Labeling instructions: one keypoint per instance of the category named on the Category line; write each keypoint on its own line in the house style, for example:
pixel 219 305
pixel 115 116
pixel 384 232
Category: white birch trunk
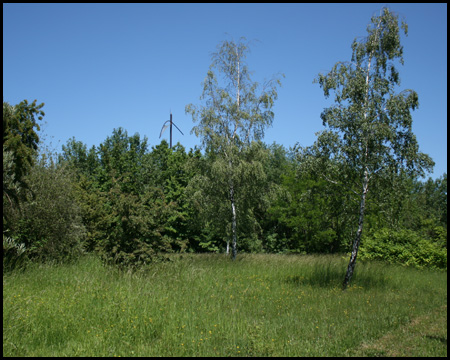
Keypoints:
pixel 233 222
pixel 362 206
pixel 232 200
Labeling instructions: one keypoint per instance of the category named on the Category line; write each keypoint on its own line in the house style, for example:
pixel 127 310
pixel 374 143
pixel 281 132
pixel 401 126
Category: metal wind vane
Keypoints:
pixel 165 126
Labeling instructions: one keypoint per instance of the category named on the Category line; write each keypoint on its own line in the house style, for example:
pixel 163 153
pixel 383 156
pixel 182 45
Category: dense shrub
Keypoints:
pixel 404 247
pixel 48 222
pixel 136 229
pixel 14 256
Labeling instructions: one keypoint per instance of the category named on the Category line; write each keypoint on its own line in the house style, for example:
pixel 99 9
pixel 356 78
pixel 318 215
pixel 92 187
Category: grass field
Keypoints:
pixel 208 305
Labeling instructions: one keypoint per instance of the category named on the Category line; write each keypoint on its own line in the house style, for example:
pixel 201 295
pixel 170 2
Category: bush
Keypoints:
pixel 48 223
pixel 14 256
pixel 404 247
pixel 136 229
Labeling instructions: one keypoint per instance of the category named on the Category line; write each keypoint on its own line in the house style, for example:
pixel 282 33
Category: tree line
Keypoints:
pixel 131 204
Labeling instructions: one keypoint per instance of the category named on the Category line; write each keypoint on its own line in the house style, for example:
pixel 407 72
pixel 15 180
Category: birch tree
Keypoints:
pixel 369 129
pixel 234 114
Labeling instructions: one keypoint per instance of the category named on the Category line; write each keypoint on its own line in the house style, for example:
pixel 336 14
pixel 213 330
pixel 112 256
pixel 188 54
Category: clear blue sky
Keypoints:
pixel 101 66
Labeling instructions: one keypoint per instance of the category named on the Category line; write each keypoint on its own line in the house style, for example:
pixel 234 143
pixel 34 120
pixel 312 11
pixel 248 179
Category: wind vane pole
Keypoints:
pixel 165 127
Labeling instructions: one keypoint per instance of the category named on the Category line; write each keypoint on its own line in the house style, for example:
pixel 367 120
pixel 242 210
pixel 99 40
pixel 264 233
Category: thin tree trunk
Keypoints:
pixel 233 222
pixel 357 241
pixel 362 206
pixel 233 203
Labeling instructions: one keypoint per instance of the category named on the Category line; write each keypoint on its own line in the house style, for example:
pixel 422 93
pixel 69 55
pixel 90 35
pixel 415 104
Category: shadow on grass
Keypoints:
pixel 320 275
pixel 438 338
pixel 331 275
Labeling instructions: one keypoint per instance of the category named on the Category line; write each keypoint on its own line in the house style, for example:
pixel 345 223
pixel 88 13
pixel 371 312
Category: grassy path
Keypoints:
pixel 423 336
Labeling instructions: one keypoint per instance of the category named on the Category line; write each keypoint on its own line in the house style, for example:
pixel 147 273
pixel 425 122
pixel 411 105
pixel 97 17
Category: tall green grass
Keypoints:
pixel 208 305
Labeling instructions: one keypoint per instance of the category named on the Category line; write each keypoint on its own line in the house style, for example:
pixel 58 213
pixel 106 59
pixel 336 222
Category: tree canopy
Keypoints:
pixel 20 143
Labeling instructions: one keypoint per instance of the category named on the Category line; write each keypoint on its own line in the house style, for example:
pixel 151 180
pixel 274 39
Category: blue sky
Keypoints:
pixel 101 66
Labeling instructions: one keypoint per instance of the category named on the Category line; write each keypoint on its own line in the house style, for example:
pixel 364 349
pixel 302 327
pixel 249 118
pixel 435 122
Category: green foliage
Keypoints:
pixel 404 247
pixel 209 195
pixel 49 223
pixel 312 213
pixel 77 156
pixel 122 156
pixel 93 211
pixel 39 212
pixel 169 171
pixel 167 202
pixel 136 228
pixel 233 118
pixel 285 206
pixel 14 254
pixel 234 114
pixel 11 187
pixel 432 196
pixel 369 129
pixel 20 138
pixel 132 201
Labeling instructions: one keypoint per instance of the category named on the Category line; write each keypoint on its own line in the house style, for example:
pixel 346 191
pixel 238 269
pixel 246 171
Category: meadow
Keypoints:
pixel 208 305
